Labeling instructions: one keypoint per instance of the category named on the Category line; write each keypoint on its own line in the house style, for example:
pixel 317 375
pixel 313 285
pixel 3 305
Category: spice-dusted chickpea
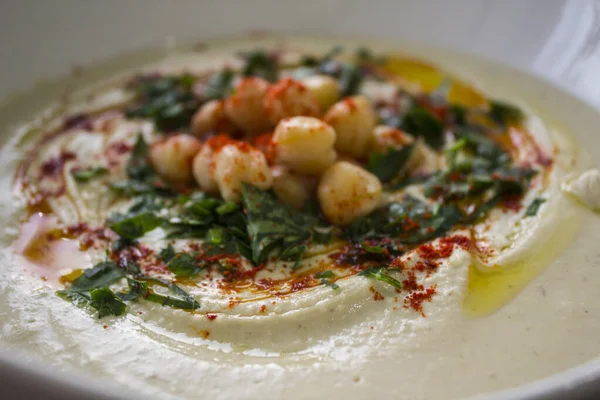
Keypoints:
pixel 291 188
pixel 211 118
pixel 353 120
pixel 172 158
pixel 289 98
pixel 347 191
pixel 245 107
pixel 201 169
pixel 305 145
pixel 324 89
pixel 203 162
pixel 237 163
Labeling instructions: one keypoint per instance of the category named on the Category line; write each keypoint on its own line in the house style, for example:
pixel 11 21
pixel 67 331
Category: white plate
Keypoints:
pixel 556 40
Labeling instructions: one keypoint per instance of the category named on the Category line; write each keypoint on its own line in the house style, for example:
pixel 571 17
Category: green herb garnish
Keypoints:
pixel 410 222
pixel 373 249
pixel 377 274
pixel 272 226
pixel 141 177
pixel 141 288
pixel 504 113
pixel 133 227
pixel 184 265
pixel 92 288
pixel 106 302
pixel 219 85
pixel 84 175
pixel 420 122
pixel 261 64
pixel 167 254
pixel 350 79
pixel 325 278
pixel 167 100
pixel 100 275
pixel 386 166
pixel 534 207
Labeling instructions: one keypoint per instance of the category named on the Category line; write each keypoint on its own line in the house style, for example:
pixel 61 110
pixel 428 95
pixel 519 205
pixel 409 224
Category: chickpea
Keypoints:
pixel 201 169
pixel 289 98
pixel 291 188
pixel 386 137
pixel 305 145
pixel 211 118
pixel 424 159
pixel 237 163
pixel 353 120
pixel 245 107
pixel 172 158
pixel 347 191
pixel 324 89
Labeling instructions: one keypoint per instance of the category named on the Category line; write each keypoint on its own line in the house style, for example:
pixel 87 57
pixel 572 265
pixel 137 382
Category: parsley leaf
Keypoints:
pixel 132 227
pixel 271 225
pixel 168 100
pixel 167 254
pixel 219 85
pixel 138 167
pixel 325 278
pixel 141 177
pixel 261 64
pixel 420 122
pixel 92 288
pixel 184 265
pixel 386 166
pixel 534 207
pixel 106 302
pixel 84 175
pixel 504 113
pixel 410 222
pixel 377 274
pixel 141 288
pixel 372 249
pixel 350 80
pixel 100 275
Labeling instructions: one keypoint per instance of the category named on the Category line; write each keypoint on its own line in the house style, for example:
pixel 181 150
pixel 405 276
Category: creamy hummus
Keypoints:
pixel 317 327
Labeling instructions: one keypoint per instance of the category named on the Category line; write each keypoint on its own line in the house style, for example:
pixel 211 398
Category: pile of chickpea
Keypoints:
pixel 317 139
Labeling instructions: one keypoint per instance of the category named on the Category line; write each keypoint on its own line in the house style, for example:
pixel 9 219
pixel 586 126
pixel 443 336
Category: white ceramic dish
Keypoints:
pixel 554 40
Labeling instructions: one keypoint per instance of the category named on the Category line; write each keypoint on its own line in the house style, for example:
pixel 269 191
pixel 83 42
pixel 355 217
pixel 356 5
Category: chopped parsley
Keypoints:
pixel 378 274
pixel 420 122
pixel 84 175
pixel 325 278
pixel 219 85
pixel 261 64
pixel 504 113
pixel 386 166
pixel 167 100
pixel 134 226
pixel 106 302
pixel 92 289
pixel 141 177
pixel 534 207
pixel 184 265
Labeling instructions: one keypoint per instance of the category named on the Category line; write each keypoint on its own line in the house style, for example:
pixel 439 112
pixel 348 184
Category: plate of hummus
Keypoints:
pixel 284 216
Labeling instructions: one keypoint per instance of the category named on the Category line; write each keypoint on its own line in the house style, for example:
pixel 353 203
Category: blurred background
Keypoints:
pixel 557 39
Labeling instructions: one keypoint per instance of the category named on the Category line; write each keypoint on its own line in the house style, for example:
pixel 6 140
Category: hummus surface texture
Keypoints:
pixel 510 301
